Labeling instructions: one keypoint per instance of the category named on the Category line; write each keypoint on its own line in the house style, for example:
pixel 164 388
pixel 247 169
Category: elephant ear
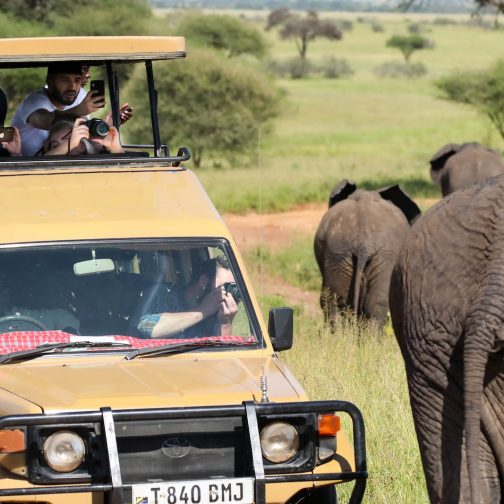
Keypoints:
pixel 401 200
pixel 342 190
pixel 439 159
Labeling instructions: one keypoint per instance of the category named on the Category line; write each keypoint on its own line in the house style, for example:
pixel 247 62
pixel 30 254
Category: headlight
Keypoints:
pixel 279 442
pixel 64 451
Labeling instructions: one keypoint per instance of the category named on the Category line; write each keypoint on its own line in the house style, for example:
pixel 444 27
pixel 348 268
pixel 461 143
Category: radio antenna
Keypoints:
pixel 263 379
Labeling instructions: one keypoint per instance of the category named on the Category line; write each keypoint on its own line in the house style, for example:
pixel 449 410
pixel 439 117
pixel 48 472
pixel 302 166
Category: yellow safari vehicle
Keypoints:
pixel 135 366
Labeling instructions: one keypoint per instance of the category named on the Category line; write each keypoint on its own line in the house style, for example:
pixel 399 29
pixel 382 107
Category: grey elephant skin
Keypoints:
pixel 455 166
pixel 356 245
pixel 447 308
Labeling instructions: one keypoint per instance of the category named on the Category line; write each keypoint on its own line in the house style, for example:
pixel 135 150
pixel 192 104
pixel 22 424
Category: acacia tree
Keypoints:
pixel 408 44
pixel 482 90
pixel 302 29
pixel 209 103
pixel 496 5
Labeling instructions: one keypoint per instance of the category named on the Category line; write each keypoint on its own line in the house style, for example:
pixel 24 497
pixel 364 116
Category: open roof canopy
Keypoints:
pixel 38 51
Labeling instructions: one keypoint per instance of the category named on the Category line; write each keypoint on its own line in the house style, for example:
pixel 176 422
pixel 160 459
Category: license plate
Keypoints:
pixel 215 491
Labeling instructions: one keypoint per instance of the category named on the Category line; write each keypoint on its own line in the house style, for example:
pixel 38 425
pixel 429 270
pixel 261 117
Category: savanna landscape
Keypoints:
pixel 376 132
pixel 360 124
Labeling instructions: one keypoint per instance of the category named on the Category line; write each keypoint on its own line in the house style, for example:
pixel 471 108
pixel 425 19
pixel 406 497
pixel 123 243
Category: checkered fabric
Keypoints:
pixel 26 340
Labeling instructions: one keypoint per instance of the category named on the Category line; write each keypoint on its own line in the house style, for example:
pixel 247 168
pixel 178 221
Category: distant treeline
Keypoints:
pixel 435 6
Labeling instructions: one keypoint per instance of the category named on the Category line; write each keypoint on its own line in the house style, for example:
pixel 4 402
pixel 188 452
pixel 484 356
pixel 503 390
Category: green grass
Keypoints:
pixel 375 132
pixel 370 130
pixel 295 263
pixel 358 363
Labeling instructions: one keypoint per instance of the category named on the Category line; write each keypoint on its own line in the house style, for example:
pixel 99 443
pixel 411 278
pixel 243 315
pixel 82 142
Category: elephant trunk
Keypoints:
pixel 475 359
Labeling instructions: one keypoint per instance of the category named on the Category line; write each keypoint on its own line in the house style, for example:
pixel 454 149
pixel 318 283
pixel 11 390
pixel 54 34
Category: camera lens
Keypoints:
pixel 97 128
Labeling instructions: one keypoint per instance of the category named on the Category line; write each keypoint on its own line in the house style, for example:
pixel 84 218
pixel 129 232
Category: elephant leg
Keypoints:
pixel 376 292
pixel 438 412
pixel 328 305
pixel 439 423
pixel 336 287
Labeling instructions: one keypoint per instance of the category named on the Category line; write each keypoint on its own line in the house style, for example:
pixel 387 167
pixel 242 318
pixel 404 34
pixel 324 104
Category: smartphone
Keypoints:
pixel 98 86
pixel 6 134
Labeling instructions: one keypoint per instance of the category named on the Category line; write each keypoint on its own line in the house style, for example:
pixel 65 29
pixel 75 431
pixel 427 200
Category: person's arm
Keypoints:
pixel 125 114
pixel 173 323
pixel 167 324
pixel 42 118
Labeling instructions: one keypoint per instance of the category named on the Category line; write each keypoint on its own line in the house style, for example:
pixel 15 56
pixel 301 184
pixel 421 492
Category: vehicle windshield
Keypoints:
pixel 143 294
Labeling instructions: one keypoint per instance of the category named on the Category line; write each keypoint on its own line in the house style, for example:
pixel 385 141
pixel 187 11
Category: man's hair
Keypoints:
pixel 210 266
pixel 64 67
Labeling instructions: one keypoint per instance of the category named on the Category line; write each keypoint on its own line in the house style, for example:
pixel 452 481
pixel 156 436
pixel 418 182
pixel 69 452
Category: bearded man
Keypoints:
pixel 62 94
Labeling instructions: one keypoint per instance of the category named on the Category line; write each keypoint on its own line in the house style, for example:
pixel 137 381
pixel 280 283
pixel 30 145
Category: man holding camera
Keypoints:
pixel 203 308
pixel 63 95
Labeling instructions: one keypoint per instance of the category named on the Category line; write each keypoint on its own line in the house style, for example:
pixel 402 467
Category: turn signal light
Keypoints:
pixel 328 424
pixel 12 441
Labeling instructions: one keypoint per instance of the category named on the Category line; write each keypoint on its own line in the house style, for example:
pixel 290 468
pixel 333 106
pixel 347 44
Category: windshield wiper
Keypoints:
pixel 178 348
pixel 52 347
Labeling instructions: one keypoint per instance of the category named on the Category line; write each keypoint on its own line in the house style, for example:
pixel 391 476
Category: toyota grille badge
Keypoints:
pixel 176 447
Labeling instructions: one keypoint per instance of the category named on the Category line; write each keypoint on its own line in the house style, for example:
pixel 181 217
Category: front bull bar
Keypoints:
pixel 248 410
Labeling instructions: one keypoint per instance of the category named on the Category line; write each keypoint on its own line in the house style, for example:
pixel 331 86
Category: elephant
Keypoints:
pixel 356 244
pixel 447 309
pixel 458 165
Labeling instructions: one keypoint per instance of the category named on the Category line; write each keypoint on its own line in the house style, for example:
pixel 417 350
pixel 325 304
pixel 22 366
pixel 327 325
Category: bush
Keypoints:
pixel 296 68
pixel 442 21
pixel 416 28
pixel 226 33
pixel 213 105
pixel 483 90
pixel 336 68
pixel 479 22
pixel 344 24
pixel 396 70
pixel 377 27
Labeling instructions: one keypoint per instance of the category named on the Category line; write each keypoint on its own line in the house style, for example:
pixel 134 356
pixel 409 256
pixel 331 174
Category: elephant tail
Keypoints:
pixel 361 258
pixel 475 359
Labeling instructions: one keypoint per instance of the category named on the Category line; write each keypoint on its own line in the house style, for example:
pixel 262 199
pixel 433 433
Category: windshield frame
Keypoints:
pixel 220 243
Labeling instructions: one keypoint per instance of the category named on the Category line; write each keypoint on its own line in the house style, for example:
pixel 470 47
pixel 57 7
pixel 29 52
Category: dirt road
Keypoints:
pixel 273 232
pixel 278 230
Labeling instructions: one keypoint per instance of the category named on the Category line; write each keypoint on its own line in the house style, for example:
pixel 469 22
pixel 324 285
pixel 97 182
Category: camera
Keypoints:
pixel 97 128
pixel 231 288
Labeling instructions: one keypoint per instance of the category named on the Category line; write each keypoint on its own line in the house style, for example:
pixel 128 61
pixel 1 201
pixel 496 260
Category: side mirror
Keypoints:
pixel 281 328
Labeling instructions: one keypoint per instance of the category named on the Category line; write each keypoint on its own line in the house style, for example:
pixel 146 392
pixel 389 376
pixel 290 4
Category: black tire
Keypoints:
pixel 321 495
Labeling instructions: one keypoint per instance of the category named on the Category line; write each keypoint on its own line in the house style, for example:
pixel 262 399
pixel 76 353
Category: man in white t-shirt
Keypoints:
pixel 63 93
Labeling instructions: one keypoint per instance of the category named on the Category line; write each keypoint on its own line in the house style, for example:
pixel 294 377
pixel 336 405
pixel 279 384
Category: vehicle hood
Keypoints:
pixel 74 383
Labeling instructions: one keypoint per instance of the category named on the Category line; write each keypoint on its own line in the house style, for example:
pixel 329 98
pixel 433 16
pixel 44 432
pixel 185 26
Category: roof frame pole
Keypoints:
pixel 153 102
pixel 114 95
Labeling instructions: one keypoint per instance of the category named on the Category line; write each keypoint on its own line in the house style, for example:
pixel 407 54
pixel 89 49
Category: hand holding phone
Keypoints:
pixel 6 134
pixel 97 87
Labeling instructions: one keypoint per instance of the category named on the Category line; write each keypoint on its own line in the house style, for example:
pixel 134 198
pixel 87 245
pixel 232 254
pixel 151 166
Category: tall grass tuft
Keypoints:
pixel 362 364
